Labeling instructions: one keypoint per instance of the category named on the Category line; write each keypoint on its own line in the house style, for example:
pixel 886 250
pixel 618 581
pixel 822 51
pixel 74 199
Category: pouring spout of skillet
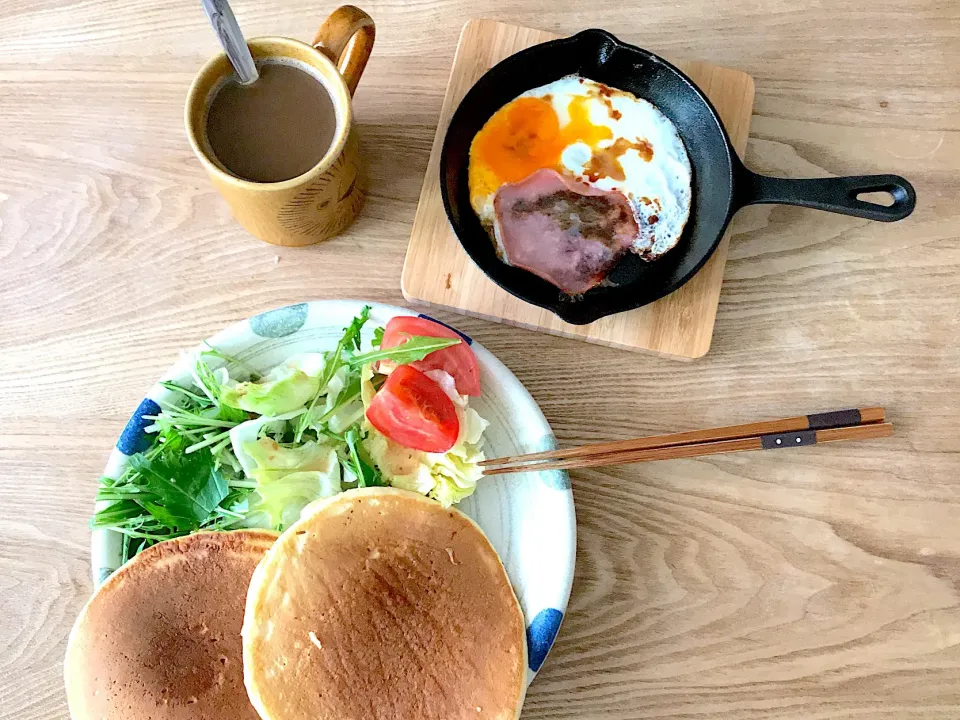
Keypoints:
pixel 721 184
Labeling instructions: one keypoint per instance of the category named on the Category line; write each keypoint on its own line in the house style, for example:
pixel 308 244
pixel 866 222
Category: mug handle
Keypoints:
pixel 345 24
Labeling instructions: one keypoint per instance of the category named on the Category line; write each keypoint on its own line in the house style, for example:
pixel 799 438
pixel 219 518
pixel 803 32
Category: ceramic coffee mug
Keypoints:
pixel 323 201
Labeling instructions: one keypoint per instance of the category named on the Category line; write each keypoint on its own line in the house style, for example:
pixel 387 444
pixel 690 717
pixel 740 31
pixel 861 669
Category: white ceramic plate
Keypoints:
pixel 528 517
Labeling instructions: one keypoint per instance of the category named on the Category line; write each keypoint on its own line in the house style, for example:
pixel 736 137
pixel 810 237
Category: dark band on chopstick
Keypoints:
pixel 836 418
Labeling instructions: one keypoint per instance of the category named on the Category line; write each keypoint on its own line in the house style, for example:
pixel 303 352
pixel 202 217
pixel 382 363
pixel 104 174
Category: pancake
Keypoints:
pixel 380 603
pixel 160 640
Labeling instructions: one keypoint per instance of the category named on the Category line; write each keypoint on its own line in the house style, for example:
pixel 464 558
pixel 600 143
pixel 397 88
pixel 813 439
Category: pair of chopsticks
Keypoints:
pixel 856 424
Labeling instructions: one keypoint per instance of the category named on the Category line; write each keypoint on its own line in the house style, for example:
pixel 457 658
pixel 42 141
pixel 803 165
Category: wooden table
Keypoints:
pixel 822 583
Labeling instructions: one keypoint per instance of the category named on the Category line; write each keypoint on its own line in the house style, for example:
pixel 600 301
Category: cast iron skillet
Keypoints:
pixel 721 184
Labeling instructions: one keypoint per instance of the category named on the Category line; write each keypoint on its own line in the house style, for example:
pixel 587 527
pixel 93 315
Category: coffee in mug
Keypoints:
pixel 274 129
pixel 283 150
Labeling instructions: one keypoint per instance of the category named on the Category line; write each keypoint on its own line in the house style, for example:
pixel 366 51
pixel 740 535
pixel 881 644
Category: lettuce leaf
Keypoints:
pixel 289 479
pixel 287 387
pixel 249 431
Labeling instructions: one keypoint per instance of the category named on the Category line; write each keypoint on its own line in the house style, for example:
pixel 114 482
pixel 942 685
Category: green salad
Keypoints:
pixel 237 449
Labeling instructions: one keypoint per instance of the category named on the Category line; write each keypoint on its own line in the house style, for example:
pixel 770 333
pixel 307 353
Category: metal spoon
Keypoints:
pixel 231 39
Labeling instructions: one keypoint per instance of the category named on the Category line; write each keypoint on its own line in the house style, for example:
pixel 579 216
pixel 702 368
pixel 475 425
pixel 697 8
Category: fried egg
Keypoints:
pixel 606 138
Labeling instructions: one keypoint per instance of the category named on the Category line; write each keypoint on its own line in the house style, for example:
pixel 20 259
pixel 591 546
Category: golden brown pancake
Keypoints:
pixel 160 640
pixel 381 604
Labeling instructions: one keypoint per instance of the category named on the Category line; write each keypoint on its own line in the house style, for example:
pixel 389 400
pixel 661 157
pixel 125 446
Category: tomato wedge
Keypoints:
pixel 412 410
pixel 459 360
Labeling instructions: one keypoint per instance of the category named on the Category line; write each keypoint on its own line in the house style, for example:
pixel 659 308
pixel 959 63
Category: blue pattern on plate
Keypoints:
pixel 556 479
pixel 466 338
pixel 541 634
pixel 280 322
pixel 133 439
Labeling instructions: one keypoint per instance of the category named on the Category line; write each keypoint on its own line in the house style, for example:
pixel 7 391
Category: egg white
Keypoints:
pixel 664 181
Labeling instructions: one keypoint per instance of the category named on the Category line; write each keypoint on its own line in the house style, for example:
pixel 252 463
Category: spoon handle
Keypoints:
pixel 231 39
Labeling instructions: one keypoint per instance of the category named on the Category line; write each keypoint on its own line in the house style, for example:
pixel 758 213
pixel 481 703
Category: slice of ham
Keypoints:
pixel 563 230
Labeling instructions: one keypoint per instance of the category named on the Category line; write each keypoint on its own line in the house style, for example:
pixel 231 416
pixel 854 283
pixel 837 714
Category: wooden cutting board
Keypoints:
pixel 438 272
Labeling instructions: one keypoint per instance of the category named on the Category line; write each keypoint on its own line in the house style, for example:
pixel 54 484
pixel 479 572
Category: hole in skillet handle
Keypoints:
pixel 877 198
pixel 843 195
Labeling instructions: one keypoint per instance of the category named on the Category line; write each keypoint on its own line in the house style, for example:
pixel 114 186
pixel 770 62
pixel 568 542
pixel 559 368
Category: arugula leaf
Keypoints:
pixel 367 475
pixel 206 380
pixel 377 337
pixel 416 348
pixel 372 473
pixel 352 331
pixel 350 339
pixel 118 512
pixel 349 394
pixel 162 515
pixel 173 387
pixel 180 491
pixel 213 352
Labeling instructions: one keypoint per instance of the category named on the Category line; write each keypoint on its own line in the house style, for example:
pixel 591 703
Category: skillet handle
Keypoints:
pixel 835 194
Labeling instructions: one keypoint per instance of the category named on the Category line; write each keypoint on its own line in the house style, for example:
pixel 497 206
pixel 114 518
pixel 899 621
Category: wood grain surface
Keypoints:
pixel 821 583
pixel 438 272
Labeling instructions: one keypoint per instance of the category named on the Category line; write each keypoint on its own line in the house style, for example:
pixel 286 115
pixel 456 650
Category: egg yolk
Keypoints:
pixel 580 129
pixel 525 136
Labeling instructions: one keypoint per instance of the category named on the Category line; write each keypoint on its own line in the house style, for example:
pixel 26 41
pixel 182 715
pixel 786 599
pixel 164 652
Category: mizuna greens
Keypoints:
pixel 235 448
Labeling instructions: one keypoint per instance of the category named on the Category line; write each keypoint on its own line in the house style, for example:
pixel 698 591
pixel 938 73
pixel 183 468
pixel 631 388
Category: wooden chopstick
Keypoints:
pixel 853 432
pixel 862 423
pixel 838 418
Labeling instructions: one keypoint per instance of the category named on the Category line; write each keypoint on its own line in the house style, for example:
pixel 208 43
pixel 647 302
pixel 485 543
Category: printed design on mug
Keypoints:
pixel 327 205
